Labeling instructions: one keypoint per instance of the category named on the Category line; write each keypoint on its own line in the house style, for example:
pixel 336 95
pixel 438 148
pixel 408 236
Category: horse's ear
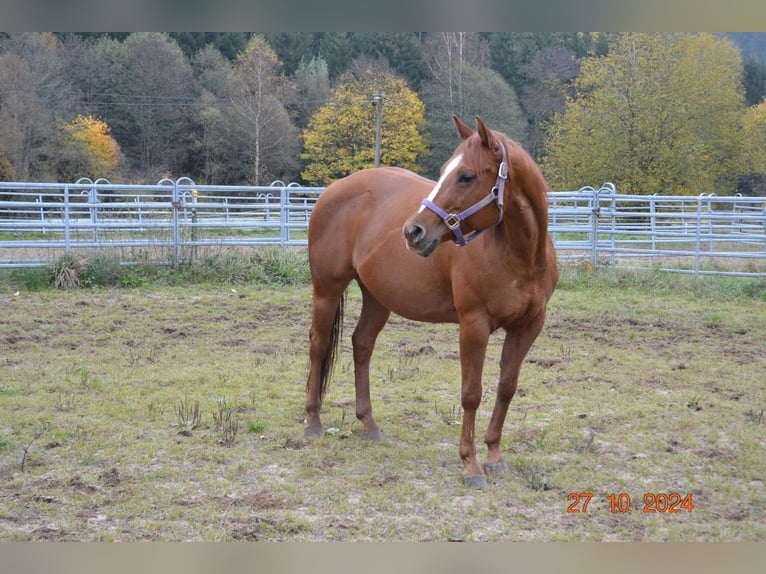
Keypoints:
pixel 463 130
pixel 487 140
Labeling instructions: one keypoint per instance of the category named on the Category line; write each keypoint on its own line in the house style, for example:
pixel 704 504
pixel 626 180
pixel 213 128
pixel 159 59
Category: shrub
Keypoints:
pixel 102 270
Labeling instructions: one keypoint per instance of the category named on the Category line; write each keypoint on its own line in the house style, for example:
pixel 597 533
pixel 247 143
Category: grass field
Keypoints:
pixel 175 413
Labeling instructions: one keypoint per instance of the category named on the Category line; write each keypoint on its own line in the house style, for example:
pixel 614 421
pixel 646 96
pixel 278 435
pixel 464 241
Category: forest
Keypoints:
pixel 666 113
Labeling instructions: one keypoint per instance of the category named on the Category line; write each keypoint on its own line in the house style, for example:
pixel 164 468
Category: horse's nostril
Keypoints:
pixel 417 232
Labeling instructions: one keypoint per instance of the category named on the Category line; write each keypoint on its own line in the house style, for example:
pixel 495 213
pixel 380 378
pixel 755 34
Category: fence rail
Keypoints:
pixel 177 220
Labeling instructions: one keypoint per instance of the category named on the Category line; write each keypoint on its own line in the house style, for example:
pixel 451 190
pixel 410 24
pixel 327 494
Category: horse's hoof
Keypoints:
pixel 314 432
pixel 475 481
pixel 373 435
pixel 495 468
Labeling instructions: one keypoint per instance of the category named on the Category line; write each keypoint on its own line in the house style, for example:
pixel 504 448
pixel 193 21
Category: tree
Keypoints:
pixel 87 149
pixel 337 49
pixel 230 44
pixel 264 129
pixel 467 91
pixel 399 49
pixel 293 48
pixel 550 75
pixel 24 121
pixel 6 169
pixel 444 52
pixel 213 149
pixel 754 78
pixel 313 82
pixel 753 179
pixel 34 94
pixel 157 89
pixel 511 51
pixel 340 137
pixel 660 113
pixel 143 89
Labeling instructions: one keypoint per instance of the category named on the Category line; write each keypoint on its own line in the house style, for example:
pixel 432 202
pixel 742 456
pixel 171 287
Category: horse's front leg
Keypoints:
pixel 515 348
pixel 474 336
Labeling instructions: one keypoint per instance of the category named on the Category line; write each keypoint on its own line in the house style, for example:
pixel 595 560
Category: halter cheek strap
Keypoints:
pixel 453 220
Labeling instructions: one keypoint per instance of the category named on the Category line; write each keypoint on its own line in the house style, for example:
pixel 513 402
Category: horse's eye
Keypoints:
pixel 466 177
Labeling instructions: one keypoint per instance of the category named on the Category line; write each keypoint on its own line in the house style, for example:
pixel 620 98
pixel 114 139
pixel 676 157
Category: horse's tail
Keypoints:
pixel 328 362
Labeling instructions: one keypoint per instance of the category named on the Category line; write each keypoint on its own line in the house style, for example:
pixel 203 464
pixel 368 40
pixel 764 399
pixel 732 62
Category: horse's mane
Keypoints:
pixel 524 176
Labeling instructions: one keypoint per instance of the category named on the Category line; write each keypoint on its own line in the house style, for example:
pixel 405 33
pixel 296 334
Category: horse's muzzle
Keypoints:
pixel 417 239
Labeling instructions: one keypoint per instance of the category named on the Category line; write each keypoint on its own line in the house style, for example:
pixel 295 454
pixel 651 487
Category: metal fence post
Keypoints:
pixel 653 226
pixel 67 233
pixel 764 225
pixel 93 200
pixel 284 216
pixel 594 212
pixel 175 203
pixel 698 236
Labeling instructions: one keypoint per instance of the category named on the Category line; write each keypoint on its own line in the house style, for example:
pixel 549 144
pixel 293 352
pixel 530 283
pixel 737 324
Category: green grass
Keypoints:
pixel 268 266
pixel 640 383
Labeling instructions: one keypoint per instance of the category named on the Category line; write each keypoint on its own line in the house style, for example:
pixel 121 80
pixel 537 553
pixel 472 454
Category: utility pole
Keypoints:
pixel 377 102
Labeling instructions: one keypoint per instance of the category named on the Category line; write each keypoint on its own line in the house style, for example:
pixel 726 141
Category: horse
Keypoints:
pixel 471 248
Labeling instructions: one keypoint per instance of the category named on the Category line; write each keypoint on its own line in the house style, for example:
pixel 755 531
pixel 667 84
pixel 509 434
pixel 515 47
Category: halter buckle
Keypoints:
pixel 452 221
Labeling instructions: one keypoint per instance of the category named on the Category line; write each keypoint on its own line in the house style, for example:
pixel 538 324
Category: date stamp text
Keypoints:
pixel 651 502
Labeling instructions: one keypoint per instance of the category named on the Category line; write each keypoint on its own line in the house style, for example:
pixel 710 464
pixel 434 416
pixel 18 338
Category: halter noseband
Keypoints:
pixel 452 220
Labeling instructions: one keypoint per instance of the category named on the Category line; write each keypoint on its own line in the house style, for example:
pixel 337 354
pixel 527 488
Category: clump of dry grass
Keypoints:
pixel 67 270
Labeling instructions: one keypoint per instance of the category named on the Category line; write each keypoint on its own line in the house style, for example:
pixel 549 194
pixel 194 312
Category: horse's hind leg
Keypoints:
pixel 326 324
pixel 372 319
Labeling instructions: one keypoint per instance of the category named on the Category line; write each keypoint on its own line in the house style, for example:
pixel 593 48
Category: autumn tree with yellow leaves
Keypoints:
pixel 87 149
pixel 660 113
pixel 340 137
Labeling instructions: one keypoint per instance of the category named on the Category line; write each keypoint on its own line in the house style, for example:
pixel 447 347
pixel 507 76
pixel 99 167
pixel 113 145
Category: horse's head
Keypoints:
pixel 468 198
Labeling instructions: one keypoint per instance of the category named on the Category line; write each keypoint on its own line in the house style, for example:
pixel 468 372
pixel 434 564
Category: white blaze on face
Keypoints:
pixel 449 169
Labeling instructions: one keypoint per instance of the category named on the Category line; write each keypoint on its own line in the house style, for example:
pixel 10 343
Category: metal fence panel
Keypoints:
pixel 176 221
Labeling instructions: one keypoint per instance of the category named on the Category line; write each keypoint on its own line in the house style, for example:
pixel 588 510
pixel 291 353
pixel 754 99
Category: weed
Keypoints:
pixel 694 403
pixel 82 378
pixel 590 446
pixel 84 434
pixel 156 411
pixel 532 475
pixel 3 441
pixel 257 427
pixel 754 417
pixel 25 450
pixel 188 414
pixel 66 401
pixel 102 270
pixel 226 421
pixel 451 417
pixel 133 356
pixel 536 440
pixel 66 271
pixel 284 266
pixel 538 481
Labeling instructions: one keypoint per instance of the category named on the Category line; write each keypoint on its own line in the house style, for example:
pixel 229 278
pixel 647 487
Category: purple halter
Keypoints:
pixel 452 220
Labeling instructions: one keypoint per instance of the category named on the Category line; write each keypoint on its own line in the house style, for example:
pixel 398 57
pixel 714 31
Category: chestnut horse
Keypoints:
pixel 388 228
